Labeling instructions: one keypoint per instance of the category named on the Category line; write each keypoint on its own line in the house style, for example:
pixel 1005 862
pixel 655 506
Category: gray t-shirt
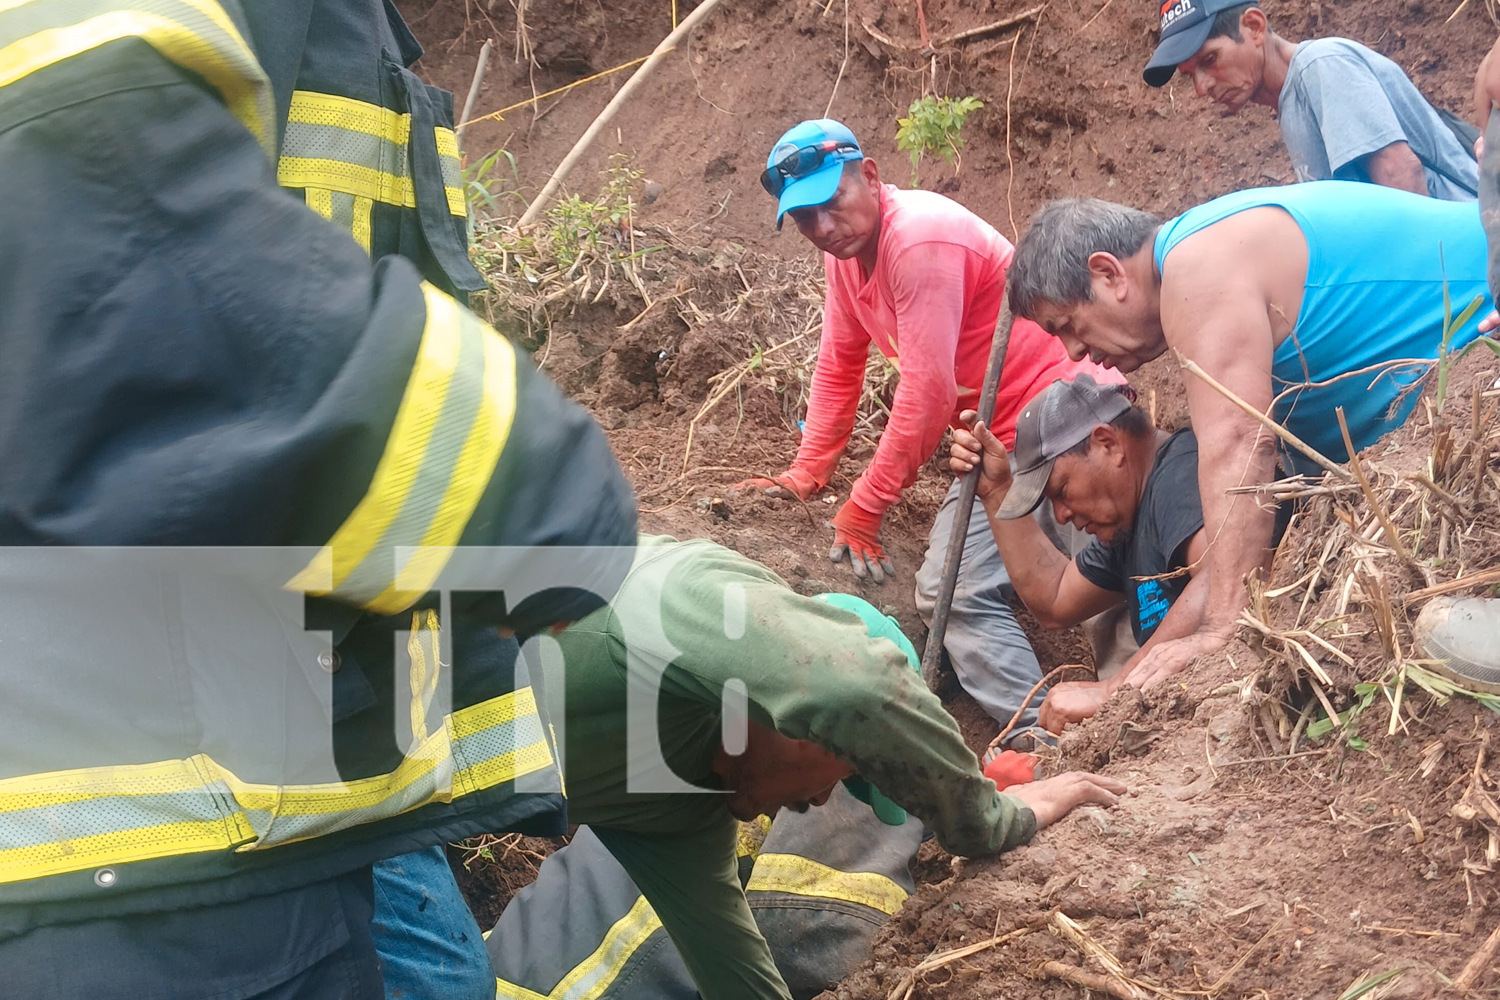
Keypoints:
pixel 1341 102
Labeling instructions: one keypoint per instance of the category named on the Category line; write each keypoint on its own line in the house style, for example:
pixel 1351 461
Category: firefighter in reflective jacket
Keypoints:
pixel 826 693
pixel 819 883
pixel 207 736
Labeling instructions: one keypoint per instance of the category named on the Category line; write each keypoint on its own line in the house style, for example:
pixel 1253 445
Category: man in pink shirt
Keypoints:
pixel 922 278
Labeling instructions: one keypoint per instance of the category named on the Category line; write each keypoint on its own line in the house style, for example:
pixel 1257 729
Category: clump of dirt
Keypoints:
pixel 491 870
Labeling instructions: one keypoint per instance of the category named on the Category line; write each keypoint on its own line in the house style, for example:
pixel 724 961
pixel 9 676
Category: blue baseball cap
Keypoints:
pixel 1185 25
pixel 819 186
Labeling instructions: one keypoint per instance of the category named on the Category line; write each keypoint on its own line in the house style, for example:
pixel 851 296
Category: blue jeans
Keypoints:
pixel 429 945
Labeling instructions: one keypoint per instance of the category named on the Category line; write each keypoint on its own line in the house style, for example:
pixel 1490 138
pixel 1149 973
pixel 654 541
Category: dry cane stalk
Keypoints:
pixel 1478 963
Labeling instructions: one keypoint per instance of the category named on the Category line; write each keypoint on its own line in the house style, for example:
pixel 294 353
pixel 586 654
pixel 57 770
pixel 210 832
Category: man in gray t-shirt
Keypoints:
pixel 1346 112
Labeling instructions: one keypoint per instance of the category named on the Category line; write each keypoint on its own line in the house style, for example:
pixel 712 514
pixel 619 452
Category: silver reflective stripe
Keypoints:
pixel 343 210
pixel 450 434
pixel 313 141
pixel 21 828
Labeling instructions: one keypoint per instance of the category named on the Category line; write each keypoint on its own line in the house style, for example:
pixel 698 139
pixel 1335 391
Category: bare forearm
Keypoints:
pixel 1238 529
pixel 1035 566
pixel 1396 166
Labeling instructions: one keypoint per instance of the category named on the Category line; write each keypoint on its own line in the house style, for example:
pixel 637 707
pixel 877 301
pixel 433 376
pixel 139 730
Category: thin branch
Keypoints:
pixel 1191 367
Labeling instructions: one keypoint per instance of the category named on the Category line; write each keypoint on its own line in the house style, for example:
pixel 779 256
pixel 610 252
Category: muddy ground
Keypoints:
pixel 1226 873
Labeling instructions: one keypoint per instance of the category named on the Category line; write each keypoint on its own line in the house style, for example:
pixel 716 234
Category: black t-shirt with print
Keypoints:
pixel 1169 516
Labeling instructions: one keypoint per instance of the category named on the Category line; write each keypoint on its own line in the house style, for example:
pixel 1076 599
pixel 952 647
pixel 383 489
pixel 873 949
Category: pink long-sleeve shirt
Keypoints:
pixel 930 307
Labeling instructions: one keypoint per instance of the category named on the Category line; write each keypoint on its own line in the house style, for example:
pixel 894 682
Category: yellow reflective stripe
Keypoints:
pixel 309 107
pixel 79 853
pixel 320 200
pixel 54 788
pixel 219 55
pixel 447 147
pixel 594 974
pixel 350 178
pixel 512 991
pixel 803 877
pixel 590 978
pixel 363 208
pixel 495 712
pixel 354 147
pixel 476 462
pixel 338 797
pixel 239 814
pixel 409 504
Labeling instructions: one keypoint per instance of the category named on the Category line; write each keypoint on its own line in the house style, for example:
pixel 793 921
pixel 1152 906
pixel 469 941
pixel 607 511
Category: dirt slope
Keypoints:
pixel 1081 120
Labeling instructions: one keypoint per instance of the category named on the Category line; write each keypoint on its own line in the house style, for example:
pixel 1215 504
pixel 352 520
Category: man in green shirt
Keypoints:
pixel 696 627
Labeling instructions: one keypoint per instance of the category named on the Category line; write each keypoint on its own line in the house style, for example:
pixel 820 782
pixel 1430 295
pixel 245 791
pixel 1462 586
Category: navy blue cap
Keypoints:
pixel 1185 25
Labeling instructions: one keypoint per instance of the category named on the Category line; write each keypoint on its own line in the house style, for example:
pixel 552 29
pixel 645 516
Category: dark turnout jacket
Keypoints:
pixel 291 433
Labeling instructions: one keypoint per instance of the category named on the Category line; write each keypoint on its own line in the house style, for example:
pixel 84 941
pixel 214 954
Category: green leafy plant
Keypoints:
pixel 1347 720
pixel 580 228
pixel 1368 986
pixel 1451 327
pixel 485 191
pixel 934 126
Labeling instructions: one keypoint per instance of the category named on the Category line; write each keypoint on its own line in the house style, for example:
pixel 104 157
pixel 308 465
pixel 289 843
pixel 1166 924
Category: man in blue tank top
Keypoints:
pixel 1299 299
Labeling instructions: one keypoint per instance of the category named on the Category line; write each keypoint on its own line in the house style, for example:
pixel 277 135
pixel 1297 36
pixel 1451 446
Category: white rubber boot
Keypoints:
pixel 1464 634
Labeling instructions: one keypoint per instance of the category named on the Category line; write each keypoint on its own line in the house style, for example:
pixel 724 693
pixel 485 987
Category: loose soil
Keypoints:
pixel 1224 874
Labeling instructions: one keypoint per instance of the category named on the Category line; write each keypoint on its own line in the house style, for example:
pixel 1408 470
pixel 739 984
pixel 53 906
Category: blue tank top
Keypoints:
pixel 1376 260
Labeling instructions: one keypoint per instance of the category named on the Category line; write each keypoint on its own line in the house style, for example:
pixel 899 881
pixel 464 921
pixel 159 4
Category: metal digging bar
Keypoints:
pixel 932 653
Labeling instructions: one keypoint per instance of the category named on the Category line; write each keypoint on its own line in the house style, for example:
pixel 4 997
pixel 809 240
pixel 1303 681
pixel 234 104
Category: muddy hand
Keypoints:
pixel 976 446
pixel 794 482
pixel 1070 702
pixel 1054 798
pixel 1172 657
pixel 856 534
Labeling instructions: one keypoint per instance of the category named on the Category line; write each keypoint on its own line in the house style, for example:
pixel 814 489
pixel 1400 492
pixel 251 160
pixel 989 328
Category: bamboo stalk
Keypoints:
pixel 1491 575
pixel 534 210
pixel 474 85
pixel 988 29
pixel 1478 963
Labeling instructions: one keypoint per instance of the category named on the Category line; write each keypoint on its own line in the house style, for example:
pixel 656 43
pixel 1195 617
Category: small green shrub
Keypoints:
pixel 579 228
pixel 934 125
pixel 485 191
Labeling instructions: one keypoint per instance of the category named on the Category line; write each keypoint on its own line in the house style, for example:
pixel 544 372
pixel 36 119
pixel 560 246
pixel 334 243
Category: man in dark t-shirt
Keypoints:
pixel 1108 470
pixel 1148 562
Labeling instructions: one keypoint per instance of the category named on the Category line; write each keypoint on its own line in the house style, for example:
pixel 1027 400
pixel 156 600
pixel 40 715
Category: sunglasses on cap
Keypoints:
pixel 799 163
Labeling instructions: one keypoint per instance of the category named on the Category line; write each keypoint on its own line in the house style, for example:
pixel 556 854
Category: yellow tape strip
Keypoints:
pixel 802 877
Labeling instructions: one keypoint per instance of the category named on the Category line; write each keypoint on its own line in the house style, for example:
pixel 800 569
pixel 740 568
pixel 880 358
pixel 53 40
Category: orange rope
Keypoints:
pixel 500 115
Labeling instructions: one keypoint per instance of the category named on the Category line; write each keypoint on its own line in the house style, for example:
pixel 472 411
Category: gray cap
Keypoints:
pixel 1056 419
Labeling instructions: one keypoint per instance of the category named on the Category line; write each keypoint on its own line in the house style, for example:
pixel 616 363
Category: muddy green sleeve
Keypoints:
pixel 692 883
pixel 813 672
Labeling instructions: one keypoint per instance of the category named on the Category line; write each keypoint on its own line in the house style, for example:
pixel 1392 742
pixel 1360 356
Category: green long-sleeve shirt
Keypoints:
pixel 690 617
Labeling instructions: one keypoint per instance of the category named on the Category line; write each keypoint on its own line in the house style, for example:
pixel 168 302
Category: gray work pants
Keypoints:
pixel 986 645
